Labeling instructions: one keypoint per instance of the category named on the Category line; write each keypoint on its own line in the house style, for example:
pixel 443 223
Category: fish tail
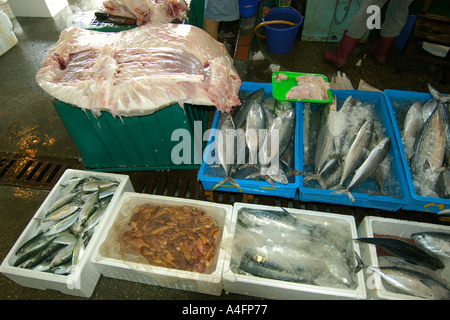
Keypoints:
pixel 446 211
pixel 225 180
pixel 316 177
pixel 359 263
pixel 291 173
pixel 38 220
pixel 346 192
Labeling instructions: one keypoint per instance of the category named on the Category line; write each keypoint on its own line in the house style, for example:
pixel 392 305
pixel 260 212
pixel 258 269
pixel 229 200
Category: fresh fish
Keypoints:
pixel 62 225
pixel 281 105
pixel 78 250
pixel 356 150
pixel 307 115
pixel 254 130
pixel 408 251
pixel 65 238
pixel 381 175
pixel 324 143
pixel 254 268
pixel 96 184
pixel 32 247
pixel 269 116
pixel 95 218
pixel 430 147
pixel 409 281
pixel 63 255
pixel 436 242
pixel 282 128
pixel 42 267
pixel 287 158
pixel 227 157
pixel 60 213
pixel 412 125
pixel 369 166
pixel 255 217
pixel 61 201
pixel 242 110
pixel 41 256
pixel 108 191
pixel 428 109
pixel 63 269
pixel 443 99
pixel 88 207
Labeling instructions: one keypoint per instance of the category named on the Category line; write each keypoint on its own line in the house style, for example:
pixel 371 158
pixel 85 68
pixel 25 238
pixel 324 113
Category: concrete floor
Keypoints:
pixel 30 126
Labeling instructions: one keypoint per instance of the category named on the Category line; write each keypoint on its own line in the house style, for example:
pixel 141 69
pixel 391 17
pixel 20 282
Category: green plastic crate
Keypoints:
pixel 139 142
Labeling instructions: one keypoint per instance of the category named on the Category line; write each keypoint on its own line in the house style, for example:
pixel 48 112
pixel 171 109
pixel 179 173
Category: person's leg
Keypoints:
pixel 396 15
pixel 358 24
pixel 219 10
pixel 211 27
pixel 350 38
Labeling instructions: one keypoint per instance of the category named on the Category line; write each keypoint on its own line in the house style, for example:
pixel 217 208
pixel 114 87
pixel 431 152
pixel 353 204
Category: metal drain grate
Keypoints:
pixel 43 173
pixel 37 173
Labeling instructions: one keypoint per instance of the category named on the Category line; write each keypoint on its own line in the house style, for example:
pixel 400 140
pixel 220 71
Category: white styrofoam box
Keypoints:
pixel 276 289
pixel 389 227
pixel 83 280
pixel 8 38
pixel 208 283
pixel 37 8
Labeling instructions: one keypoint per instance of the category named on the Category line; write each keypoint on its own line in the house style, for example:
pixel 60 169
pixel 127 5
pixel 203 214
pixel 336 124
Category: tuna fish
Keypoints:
pixel 227 157
pixel 409 281
pixel 243 109
pixel 369 166
pixel 411 127
pixel 356 150
pixel 436 242
pixel 410 252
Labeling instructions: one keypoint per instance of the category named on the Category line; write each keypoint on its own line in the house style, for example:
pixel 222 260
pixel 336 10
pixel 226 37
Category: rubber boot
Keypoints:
pixel 381 49
pixel 345 47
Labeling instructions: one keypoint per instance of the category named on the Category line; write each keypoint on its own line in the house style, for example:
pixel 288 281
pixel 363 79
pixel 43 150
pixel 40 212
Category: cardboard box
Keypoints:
pixel 208 283
pixel 276 289
pixel 83 280
pixel 376 288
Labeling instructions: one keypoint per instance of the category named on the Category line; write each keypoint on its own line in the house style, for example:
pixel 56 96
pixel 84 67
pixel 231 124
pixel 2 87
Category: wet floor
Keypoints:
pixel 30 126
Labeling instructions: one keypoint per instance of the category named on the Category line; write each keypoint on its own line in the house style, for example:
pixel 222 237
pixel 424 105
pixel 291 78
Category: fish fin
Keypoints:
pixel 346 192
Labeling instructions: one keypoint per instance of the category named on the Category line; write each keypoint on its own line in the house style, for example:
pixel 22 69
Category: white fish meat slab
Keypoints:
pixel 139 71
pixel 147 10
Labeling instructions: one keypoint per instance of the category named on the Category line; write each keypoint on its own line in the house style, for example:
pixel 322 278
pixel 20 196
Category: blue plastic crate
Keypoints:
pixel 210 175
pixel 397 187
pixel 399 102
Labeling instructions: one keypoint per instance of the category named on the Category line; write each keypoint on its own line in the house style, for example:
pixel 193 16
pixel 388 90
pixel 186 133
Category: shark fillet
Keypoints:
pixel 139 71
pixel 147 10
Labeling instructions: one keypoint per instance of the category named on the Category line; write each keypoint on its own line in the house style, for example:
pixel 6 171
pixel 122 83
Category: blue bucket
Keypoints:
pixel 280 37
pixel 247 8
